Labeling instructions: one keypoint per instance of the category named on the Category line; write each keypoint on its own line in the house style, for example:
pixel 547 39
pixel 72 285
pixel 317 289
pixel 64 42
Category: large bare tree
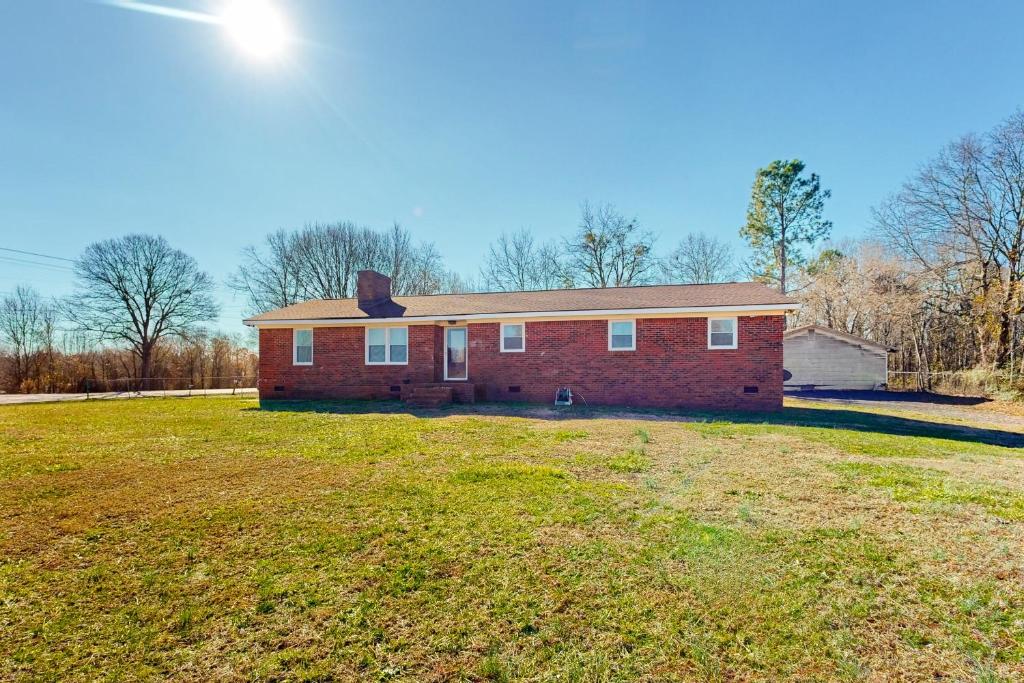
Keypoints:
pixel 138 289
pixel 610 250
pixel 699 259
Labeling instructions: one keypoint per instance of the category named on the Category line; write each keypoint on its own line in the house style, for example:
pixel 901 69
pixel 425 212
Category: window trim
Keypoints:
pixel 631 347
pixel 295 347
pixel 735 333
pixel 387 344
pixel 501 337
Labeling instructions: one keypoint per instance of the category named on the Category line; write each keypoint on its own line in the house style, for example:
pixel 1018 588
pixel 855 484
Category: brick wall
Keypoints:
pixel 339 369
pixel 671 367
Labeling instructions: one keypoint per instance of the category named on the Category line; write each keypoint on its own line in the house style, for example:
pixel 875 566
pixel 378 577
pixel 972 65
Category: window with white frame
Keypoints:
pixel 513 337
pixel 622 335
pixel 721 333
pixel 302 346
pixel 387 345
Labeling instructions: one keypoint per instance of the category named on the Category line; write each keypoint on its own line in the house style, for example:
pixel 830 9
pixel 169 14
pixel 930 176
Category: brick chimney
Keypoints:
pixel 374 293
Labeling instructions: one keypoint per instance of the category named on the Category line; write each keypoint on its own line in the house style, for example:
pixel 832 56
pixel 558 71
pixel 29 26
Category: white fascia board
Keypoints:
pixel 638 312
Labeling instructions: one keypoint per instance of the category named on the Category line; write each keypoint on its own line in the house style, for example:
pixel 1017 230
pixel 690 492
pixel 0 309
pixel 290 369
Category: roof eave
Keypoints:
pixel 838 334
pixel 653 312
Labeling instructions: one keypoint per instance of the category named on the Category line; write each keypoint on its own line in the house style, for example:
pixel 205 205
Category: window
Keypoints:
pixel 398 345
pixel 622 335
pixel 302 347
pixel 513 337
pixel 387 345
pixel 721 333
pixel 376 345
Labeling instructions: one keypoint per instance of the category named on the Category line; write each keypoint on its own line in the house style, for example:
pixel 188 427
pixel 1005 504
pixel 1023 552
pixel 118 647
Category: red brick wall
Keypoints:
pixel 339 369
pixel 671 367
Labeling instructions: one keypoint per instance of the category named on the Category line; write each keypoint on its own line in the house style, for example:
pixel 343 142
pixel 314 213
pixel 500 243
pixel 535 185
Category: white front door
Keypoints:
pixel 456 353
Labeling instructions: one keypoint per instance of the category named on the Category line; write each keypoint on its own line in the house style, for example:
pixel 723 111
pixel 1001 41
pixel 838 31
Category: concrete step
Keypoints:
pixel 430 391
pixel 427 403
pixel 429 396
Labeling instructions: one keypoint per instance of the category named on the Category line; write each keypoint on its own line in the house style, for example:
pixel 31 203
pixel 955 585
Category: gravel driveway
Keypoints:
pixel 956 407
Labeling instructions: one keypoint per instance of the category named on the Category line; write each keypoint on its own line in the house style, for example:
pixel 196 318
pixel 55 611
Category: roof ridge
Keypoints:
pixel 563 289
pixel 842 334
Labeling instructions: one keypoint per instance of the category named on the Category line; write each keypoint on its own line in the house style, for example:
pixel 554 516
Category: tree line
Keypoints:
pixel 136 314
pixel 938 278
pixel 140 307
pixel 41 356
pixel 611 249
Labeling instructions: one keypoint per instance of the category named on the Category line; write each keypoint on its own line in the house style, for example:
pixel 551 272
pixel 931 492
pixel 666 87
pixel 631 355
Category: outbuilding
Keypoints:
pixel 817 357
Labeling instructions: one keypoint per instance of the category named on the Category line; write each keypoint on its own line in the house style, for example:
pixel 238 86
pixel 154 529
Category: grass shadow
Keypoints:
pixel 820 417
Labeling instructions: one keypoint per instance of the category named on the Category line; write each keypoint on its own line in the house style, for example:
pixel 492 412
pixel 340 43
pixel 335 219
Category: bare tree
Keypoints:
pixel 138 289
pixel 610 250
pixel 269 278
pixel 860 288
pixel 321 261
pixel 26 328
pixel 699 259
pixel 516 262
pixel 943 285
pixel 413 268
pixel 326 257
pixel 509 264
pixel 961 218
pixel 553 271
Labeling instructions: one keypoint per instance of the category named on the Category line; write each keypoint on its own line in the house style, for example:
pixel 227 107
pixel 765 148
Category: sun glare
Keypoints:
pixel 256 26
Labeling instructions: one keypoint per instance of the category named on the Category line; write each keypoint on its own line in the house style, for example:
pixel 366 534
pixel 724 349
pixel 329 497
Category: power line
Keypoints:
pixel 35 253
pixel 26 262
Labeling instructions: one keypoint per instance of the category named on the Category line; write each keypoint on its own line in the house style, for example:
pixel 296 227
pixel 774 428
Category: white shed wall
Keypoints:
pixel 821 362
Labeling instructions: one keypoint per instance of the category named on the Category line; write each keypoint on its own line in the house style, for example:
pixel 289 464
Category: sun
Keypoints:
pixel 256 27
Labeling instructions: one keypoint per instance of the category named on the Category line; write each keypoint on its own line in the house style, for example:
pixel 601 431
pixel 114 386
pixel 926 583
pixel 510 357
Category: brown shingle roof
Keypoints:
pixel 495 303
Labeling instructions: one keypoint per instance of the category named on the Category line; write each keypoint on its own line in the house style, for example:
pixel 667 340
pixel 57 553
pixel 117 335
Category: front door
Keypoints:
pixel 456 353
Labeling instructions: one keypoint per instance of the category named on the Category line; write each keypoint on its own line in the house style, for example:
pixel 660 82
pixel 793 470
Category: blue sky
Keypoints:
pixel 464 119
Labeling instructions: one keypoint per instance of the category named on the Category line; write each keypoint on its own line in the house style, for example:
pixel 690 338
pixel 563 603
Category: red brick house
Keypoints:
pixel 692 346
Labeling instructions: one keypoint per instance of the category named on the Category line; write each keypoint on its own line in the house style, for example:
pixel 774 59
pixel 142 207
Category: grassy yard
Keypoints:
pixel 206 539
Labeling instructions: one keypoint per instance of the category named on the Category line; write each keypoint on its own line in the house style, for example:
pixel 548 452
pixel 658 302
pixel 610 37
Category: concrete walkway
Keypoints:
pixel 12 399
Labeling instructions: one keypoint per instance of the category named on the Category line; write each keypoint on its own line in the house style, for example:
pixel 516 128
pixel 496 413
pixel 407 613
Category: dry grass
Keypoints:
pixel 1014 408
pixel 204 539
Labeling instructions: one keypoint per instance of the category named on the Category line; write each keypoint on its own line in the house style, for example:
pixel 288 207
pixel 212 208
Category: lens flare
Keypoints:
pixel 256 27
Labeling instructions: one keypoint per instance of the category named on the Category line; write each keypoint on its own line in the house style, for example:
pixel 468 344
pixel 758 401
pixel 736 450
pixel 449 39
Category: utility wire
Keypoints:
pixel 26 262
pixel 34 253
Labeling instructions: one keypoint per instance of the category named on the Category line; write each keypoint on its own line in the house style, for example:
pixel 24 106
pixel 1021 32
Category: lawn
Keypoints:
pixel 206 539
